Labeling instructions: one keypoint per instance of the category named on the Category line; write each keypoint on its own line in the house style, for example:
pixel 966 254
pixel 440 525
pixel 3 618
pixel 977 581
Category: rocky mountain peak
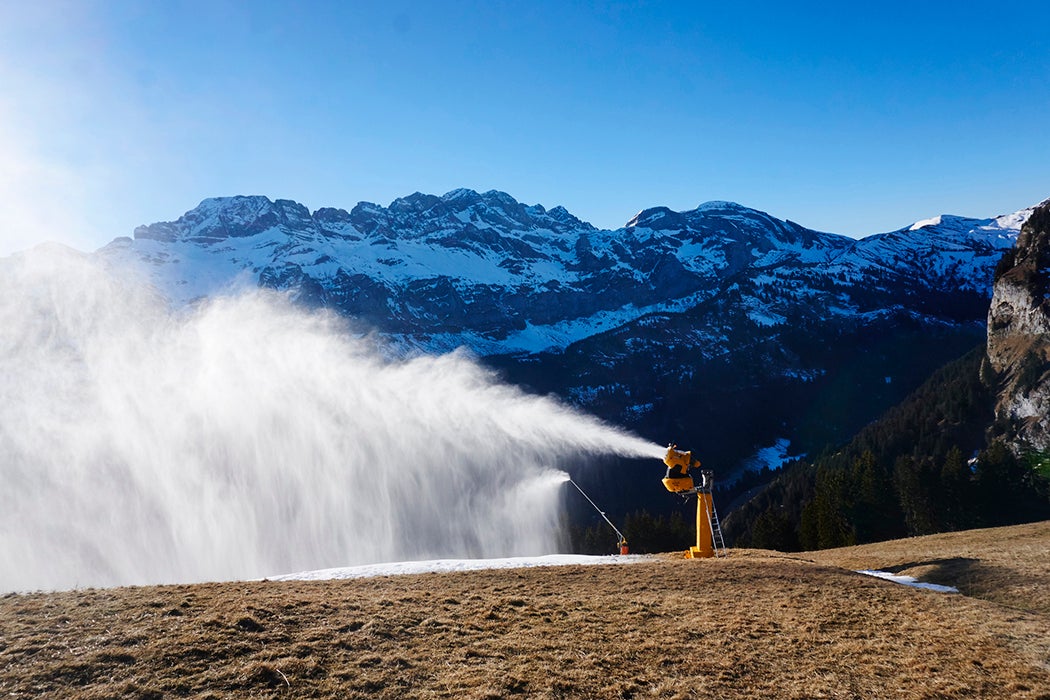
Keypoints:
pixel 415 203
pixel 656 219
pixel 461 198
pixel 217 218
pixel 487 271
pixel 418 215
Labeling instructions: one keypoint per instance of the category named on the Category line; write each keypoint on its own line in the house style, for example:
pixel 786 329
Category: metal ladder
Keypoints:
pixel 716 532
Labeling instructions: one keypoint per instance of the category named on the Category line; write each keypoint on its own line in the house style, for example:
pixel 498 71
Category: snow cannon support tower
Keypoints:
pixel 678 480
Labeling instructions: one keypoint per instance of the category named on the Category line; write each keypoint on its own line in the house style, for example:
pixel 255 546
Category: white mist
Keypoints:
pixel 244 437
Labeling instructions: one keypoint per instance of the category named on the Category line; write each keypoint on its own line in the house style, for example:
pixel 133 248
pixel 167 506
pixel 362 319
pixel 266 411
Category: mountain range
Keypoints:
pixel 722 327
pixel 487 272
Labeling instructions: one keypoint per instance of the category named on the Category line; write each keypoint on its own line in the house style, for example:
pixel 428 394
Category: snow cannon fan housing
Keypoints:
pixel 678 465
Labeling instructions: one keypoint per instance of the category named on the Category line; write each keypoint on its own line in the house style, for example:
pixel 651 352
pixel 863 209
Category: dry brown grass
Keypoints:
pixel 754 625
pixel 1006 565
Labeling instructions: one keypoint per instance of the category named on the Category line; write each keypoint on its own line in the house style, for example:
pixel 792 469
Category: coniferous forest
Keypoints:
pixel 930 464
pixel 926 466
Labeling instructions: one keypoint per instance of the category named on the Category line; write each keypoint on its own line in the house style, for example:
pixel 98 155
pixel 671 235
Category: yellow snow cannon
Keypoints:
pixel 678 465
pixel 678 481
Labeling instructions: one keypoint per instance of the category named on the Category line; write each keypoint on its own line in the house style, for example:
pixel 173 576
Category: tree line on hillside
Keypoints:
pixel 924 467
pixel 645 534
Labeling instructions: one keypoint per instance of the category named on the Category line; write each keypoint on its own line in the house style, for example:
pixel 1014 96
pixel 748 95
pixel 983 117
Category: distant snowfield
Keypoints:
pixel 909 581
pixel 447 565
pixel 772 457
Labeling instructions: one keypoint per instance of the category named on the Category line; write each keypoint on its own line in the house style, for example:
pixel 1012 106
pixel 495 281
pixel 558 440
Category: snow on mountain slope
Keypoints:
pixel 197 253
pixel 485 271
pixel 721 326
pixel 945 247
pixel 449 565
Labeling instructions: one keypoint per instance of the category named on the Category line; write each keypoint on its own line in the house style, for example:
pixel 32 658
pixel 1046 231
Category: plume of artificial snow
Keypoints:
pixel 245 436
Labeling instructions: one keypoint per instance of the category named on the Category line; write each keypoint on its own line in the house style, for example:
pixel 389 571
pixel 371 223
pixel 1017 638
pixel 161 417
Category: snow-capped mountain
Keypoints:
pixel 721 326
pixel 487 272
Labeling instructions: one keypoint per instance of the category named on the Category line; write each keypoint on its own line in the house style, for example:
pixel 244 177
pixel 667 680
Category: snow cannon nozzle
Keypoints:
pixel 678 464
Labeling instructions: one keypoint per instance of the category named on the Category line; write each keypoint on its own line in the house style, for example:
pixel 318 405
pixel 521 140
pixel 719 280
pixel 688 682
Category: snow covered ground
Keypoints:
pixel 446 565
pixel 908 581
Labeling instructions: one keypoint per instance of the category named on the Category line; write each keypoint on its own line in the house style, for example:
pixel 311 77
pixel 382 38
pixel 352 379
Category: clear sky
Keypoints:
pixel 854 118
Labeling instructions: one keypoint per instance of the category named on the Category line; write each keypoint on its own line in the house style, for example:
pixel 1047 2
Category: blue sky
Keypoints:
pixel 854 119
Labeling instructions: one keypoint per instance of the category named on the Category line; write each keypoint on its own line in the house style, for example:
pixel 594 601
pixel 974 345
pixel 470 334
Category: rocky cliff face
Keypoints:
pixel 1019 335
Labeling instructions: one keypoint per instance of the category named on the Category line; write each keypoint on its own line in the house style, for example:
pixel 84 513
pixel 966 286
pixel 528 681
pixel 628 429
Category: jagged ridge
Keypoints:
pixel 722 326
pixel 488 272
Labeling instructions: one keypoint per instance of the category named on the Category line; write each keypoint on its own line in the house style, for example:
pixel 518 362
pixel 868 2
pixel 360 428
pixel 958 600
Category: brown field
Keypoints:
pixel 753 625
pixel 1006 565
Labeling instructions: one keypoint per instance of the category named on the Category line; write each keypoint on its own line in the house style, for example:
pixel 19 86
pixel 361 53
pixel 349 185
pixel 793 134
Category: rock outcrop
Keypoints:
pixel 1019 335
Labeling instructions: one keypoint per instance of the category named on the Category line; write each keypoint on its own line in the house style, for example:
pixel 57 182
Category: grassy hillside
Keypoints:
pixel 1005 565
pixel 757 624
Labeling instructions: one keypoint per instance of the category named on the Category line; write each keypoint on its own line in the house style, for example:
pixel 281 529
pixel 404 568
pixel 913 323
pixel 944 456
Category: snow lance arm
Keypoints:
pixel 622 542
pixel 678 464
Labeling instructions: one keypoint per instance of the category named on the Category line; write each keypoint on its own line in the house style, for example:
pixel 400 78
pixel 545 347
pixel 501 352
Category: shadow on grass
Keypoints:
pixel 977 579
pixel 947 572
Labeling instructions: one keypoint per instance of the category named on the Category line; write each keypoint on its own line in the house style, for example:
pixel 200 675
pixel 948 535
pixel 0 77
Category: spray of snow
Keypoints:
pixel 244 437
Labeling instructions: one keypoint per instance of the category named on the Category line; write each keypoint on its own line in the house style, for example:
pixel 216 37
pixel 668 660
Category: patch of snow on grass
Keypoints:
pixel 909 581
pixel 446 565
